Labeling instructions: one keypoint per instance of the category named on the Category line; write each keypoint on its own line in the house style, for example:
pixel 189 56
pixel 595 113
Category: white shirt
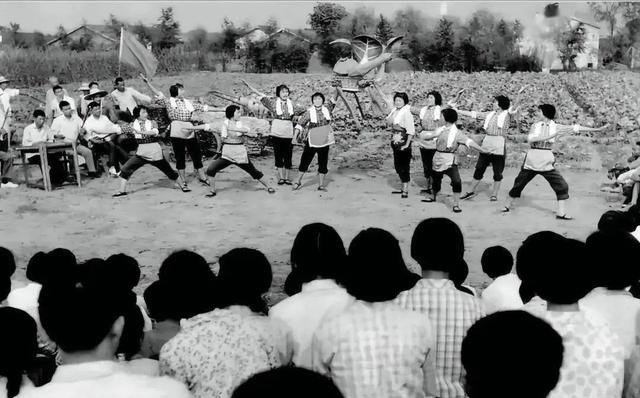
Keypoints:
pixel 129 98
pixel 105 379
pixel 26 299
pixel 5 103
pixel 32 135
pixel 502 294
pixel 303 312
pixel 100 127
pixel 55 105
pixel 67 126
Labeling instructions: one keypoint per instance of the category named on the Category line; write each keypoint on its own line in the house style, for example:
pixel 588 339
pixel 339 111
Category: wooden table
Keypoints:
pixel 43 149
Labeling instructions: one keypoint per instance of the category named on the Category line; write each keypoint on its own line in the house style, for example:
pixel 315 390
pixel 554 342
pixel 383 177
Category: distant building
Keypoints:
pixel 588 59
pixel 102 38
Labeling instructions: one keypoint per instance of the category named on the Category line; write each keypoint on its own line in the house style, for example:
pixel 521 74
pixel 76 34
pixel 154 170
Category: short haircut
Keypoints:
pixel 280 88
pixel 245 275
pixel 92 105
pixel 287 382
pixel 125 270
pixel 56 88
pixel 5 287
pixel 138 109
pixel 118 80
pixel 450 115
pixel 613 256
pixel 179 85
pixel 174 91
pixel 548 110
pixel 376 271
pixel 125 116
pixel 160 303
pixel 511 351
pixel 436 97
pixel 403 96
pixel 496 261
pixel 44 268
pixel 132 332
pixel 94 84
pixel 63 104
pixel 437 245
pixel 7 262
pixel 19 345
pixel 503 102
pixel 616 220
pixel 318 94
pixel 38 112
pixel 230 111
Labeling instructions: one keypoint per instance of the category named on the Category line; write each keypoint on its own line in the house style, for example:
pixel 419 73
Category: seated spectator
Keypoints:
pixel 7 269
pixel 616 220
pixel 101 135
pixel 558 272
pixel 503 293
pixel 318 257
pixel 87 323
pixel 38 133
pixel 438 246
pixel 509 354
pixel 215 352
pixel 18 344
pixel 131 344
pixel 459 276
pixel 287 382
pixel 127 270
pixel 375 348
pixel 165 315
pixel 68 127
pixel 634 215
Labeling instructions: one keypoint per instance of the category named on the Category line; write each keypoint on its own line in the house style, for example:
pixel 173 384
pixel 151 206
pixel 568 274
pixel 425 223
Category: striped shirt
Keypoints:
pixel 492 127
pixel 377 350
pixel 180 112
pixel 270 104
pixel 451 313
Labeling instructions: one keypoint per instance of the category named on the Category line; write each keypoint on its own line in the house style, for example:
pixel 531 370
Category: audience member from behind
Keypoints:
pixel 557 269
pixel 511 353
pixel 287 382
pixel 503 293
pixel 126 270
pixel 216 351
pixel 128 352
pixel 617 221
pixel 7 269
pixel 165 315
pixel 375 348
pixel 18 344
pixel 438 246
pixel 318 258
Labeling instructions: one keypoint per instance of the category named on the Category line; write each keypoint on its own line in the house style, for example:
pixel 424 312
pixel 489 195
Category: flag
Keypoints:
pixel 134 53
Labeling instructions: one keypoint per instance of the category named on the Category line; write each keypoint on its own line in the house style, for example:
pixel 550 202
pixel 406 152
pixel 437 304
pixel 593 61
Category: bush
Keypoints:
pixel 524 63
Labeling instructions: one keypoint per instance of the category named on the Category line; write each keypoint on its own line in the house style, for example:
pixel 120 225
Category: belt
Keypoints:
pixel 146 140
pixel 444 151
pixel 233 143
pixel 542 149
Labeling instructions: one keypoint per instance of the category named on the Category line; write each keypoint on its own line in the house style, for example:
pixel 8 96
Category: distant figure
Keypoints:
pixel 503 293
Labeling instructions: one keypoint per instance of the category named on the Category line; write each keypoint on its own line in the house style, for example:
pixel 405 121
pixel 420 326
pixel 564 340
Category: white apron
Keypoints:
pixel 235 153
pixel 282 128
pixel 320 137
pixel 442 161
pixel 178 132
pixel 541 159
pixel 494 144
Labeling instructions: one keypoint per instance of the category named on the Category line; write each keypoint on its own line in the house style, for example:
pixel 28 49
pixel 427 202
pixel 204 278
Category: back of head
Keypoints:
pixel 503 102
pixel 616 220
pixel 376 271
pixel 287 382
pixel 318 253
pixel 160 302
pixel 613 257
pixel 496 261
pixel 450 115
pixel 244 276
pixel 124 269
pixel 58 264
pixel 174 91
pixel 437 244
pixel 18 344
pixel 511 351
pixel 132 332
pixel 548 110
pixel 7 262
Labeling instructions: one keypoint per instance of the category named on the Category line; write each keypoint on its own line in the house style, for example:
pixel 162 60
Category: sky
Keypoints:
pixel 45 16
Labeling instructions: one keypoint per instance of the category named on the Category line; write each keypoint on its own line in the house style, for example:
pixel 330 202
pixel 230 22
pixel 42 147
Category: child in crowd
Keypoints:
pixel 166 319
pixel 503 293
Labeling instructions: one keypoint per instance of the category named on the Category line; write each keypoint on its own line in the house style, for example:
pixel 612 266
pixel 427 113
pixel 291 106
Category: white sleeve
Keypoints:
pixel 223 131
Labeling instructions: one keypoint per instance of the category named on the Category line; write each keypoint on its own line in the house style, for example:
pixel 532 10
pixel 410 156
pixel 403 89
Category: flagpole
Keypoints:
pixel 120 52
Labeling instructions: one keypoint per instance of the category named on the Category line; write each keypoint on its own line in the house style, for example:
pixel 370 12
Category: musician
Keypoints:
pixel 68 127
pixel 37 133
pixel 100 133
pixel 59 96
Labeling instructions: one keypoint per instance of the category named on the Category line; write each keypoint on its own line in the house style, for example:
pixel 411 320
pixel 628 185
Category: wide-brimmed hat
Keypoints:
pixel 4 80
pixel 95 93
pixel 84 86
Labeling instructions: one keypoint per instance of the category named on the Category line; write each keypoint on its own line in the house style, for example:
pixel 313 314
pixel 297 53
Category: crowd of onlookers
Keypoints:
pixel 357 323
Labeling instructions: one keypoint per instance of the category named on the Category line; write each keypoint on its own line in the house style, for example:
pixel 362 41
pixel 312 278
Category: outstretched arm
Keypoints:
pixel 153 89
pixel 576 128
pixel 387 98
pixel 253 89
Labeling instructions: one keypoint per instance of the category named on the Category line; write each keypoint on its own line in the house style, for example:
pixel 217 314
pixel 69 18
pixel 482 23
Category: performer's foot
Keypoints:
pixel 297 186
pixel 405 194
pixel 185 188
pixel 457 209
pixel 113 172
pixel 281 181
pixel 428 191
pixel 398 192
pixel 271 190
pixel 493 198
pixel 468 195
pixel 429 200
pixel 118 194
pixel 322 188
pixel 505 209
pixel 563 217
pixel 211 194
pixel 288 182
pixel 204 182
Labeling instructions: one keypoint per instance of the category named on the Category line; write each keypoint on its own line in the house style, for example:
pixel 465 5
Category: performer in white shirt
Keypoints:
pixel 127 98
pixel 100 134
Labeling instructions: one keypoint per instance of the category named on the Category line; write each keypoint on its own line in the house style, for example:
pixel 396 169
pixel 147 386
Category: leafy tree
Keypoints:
pixel 384 31
pixel 142 32
pixel 609 12
pixel 39 40
pixel 361 21
pixel 169 29
pixel 413 26
pixel 444 43
pixel 114 25
pixel 62 35
pixel 570 43
pixel 227 43
pixel 271 26
pixel 14 28
pixel 325 21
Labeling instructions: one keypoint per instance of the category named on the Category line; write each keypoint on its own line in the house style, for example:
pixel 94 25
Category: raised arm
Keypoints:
pixel 576 128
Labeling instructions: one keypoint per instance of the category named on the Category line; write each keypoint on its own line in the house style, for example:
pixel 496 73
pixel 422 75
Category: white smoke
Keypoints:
pixel 539 39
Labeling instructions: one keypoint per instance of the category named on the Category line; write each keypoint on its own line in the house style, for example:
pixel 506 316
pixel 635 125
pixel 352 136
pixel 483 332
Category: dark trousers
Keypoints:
pixel 282 151
pixel 116 154
pixel 454 175
pixel 220 164
pixel 181 146
pixel 135 162
pixel 402 163
pixel 427 161
pixel 7 163
pixel 486 159
pixel 307 156
pixel 57 173
pixel 553 177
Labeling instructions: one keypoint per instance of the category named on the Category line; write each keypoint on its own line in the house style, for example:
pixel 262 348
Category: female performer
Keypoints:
pixel 540 159
pixel 448 139
pixel 318 139
pixel 402 126
pixel 148 152
pixel 283 111
pixel 234 151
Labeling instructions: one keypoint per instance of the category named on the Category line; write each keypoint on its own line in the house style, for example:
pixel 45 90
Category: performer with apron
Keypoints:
pixel 445 161
pixel 318 138
pixel 283 111
pixel 234 151
pixel 400 120
pixel 540 160
pixel 148 152
pixel 430 119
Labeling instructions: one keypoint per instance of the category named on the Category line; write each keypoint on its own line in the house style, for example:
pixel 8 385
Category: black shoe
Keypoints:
pixel 93 174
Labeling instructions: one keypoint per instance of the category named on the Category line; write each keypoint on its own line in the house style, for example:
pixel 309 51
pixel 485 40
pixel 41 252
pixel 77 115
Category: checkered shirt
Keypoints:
pixel 451 313
pixel 180 112
pixel 377 350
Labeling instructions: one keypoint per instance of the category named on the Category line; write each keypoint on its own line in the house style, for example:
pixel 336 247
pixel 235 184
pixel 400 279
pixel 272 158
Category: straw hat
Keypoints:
pixel 84 86
pixel 4 80
pixel 95 93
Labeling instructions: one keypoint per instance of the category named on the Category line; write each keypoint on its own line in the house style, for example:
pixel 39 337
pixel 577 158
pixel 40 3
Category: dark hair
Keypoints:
pixel 375 270
pixel 38 112
pixel 245 275
pixel 496 261
pixel 132 332
pixel 56 88
pixel 511 351
pixel 5 287
pixel 318 94
pixel 613 255
pixel 118 80
pixel 94 83
pixel 160 303
pixel 548 110
pixel 125 270
pixel 614 220
pixel 280 88
pixel 634 215
pixel 19 345
pixel 125 116
pixel 503 102
pixel 437 245
pixel 63 104
pixel 92 105
pixel 317 252
pixel 179 85
pixel 458 276
pixel 138 109
pixel 7 262
pixel 450 115
pixel 287 382
pixel 402 96
pixel 173 90
pixel 58 264
pixel 230 111
pixel 436 97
